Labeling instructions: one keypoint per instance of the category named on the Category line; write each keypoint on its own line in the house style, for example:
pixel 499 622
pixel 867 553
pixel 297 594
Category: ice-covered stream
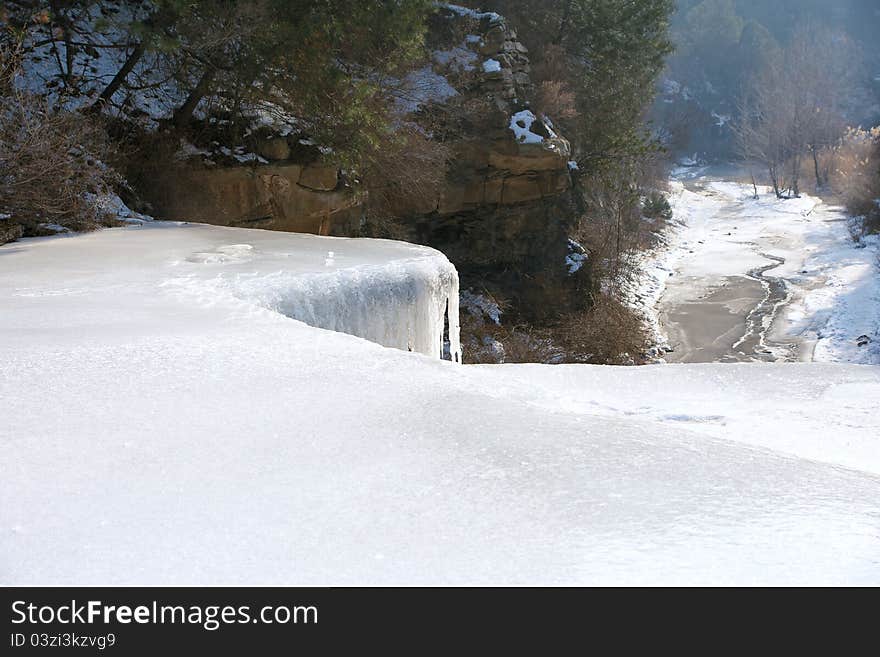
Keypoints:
pixel 762 279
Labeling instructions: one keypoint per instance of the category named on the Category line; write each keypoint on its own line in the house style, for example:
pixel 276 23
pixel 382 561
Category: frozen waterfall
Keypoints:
pixel 392 293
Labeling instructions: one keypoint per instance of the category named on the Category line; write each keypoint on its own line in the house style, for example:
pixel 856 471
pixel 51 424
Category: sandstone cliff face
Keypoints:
pixel 503 213
pixel 278 196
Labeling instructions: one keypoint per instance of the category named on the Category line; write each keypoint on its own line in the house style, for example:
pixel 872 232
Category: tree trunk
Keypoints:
pixel 563 23
pixel 815 154
pixel 617 246
pixel 158 21
pixel 69 56
pixel 184 113
pixel 120 77
pixel 63 23
pixel 774 180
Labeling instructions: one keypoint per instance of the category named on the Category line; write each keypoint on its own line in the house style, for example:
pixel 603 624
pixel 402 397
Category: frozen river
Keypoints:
pixel 762 279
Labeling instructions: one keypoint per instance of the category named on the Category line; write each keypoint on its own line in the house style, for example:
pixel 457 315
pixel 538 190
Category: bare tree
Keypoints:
pixel 791 108
pixel 763 128
pixel 823 68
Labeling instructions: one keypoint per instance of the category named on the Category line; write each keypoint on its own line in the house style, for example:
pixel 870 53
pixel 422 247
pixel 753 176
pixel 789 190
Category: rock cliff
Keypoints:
pixel 503 212
pixel 281 195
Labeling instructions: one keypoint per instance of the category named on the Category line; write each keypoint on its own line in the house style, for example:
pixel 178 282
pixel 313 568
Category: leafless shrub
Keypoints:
pixel 487 343
pixel 405 175
pixel 609 333
pixel 51 160
pixel 856 174
pixel 614 224
pixel 556 100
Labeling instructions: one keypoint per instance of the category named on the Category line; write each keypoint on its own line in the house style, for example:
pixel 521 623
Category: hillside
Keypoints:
pixel 470 131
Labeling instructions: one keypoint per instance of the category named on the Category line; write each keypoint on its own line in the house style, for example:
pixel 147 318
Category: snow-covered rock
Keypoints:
pixel 491 66
pixel 521 126
pixel 577 257
pixel 489 16
pixel 459 58
pixel 421 87
pixel 480 307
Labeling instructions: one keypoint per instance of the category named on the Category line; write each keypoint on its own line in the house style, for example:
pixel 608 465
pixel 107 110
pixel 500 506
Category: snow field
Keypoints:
pixel 165 423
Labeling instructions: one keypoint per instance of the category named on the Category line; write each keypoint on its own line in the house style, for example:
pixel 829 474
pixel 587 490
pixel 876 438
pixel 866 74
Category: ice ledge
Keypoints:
pixel 392 293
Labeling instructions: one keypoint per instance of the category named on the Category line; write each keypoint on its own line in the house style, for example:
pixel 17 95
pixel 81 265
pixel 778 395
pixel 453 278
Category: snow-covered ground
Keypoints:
pixel 723 242
pixel 165 421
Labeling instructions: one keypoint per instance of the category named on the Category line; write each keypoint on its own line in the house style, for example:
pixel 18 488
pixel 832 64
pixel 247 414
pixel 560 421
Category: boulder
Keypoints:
pixel 303 151
pixel 9 232
pixel 319 177
pixel 273 149
pixel 493 40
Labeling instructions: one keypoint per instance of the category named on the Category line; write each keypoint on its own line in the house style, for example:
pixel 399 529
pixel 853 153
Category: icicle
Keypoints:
pixel 454 326
pixel 439 312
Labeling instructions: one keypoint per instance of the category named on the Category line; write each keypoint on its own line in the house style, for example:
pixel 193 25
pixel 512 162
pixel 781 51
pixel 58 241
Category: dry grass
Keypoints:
pixel 855 174
pixel 51 160
pixel 608 333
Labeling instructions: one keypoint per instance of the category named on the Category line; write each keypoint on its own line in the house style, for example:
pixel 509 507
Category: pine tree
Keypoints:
pixel 610 53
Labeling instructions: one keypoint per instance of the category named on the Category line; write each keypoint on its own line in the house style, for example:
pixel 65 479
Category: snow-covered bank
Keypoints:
pixel 821 412
pixel 721 240
pixel 392 293
pixel 656 266
pixel 182 433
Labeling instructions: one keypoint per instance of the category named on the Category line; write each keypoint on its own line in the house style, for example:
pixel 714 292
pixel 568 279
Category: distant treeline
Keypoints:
pixel 722 45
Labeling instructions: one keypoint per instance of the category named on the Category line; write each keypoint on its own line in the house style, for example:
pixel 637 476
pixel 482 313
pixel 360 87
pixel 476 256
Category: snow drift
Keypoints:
pixel 164 424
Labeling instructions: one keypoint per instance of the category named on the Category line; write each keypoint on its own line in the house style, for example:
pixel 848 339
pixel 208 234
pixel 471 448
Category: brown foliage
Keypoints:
pixel 555 97
pixel 556 100
pixel 856 174
pixel 609 333
pixel 404 174
pixel 51 160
